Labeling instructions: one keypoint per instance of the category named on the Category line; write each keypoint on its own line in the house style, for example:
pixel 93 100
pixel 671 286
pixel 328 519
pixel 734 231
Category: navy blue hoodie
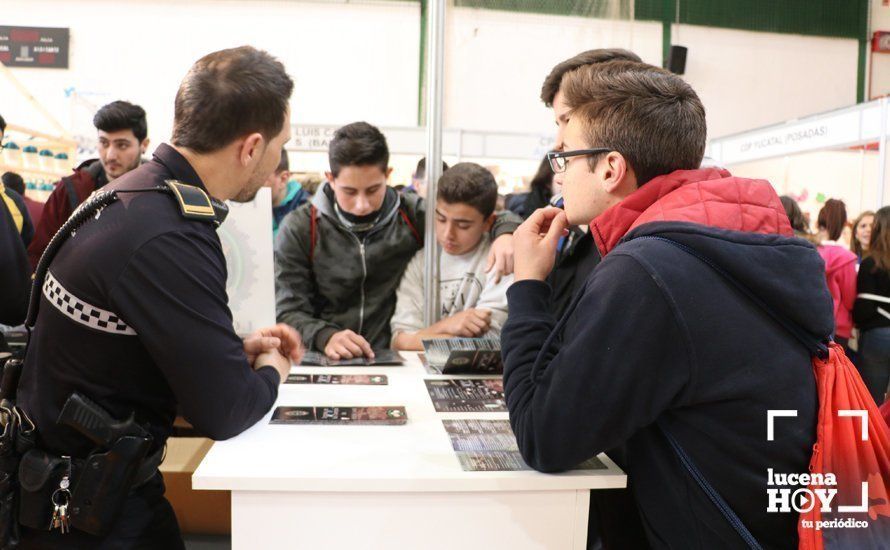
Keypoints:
pixel 657 335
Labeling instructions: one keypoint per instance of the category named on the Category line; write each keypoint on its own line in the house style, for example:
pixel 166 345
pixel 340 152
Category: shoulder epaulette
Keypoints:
pixel 195 204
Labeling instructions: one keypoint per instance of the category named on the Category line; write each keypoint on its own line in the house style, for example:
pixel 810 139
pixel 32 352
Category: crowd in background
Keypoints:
pixel 609 359
pixel 856 253
pixel 857 270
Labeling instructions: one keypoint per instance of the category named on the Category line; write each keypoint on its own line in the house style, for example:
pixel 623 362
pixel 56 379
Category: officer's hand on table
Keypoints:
pixel 280 337
pixel 273 358
pixel 500 257
pixel 468 323
pixel 536 241
pixel 346 345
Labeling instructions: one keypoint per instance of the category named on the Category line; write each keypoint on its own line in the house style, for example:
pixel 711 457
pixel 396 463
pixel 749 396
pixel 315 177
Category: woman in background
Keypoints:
pixel 862 234
pixel 840 268
pixel 872 310
pixel 795 216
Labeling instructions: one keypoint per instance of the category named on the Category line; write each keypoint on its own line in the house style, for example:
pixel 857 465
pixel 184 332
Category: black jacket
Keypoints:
pixel 576 258
pixel 659 336
pixel 170 343
pixel 15 272
pixel 525 204
pixel 871 285
pixel 344 280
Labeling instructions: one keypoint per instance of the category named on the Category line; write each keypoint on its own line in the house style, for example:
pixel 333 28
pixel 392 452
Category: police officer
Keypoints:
pixel 133 313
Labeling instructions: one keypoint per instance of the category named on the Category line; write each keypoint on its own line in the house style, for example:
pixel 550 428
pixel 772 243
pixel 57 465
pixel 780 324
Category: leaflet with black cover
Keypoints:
pixel 343 416
pixel 467 394
pixel 464 355
pixel 339 379
pixel 382 358
pixel 489 445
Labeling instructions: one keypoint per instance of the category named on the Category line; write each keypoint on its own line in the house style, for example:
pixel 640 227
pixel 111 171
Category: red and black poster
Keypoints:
pixel 36 47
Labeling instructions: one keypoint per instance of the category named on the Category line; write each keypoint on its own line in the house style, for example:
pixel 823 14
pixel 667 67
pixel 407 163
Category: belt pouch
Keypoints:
pixel 39 476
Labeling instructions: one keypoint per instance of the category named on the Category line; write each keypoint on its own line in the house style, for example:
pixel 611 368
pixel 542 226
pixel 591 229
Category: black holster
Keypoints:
pixel 99 484
pixel 105 481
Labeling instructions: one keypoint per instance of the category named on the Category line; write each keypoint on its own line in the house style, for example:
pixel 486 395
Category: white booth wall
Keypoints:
pixel 354 61
pixel 496 62
pixel 878 64
pixel 349 62
pixel 848 175
pixel 753 79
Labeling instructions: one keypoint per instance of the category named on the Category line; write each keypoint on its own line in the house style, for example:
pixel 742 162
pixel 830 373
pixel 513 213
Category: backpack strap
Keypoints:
pixel 411 226
pixel 313 231
pixel 709 490
pixel 73 199
pixel 815 346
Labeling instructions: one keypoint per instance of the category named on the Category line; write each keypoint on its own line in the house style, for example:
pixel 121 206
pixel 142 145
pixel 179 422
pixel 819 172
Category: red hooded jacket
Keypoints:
pixel 656 337
pixel 708 196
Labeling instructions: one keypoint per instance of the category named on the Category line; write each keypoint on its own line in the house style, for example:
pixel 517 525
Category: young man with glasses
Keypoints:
pixel 659 343
pixel 576 256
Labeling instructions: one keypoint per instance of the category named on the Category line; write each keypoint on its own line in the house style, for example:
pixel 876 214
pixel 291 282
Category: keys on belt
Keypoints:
pixel 60 499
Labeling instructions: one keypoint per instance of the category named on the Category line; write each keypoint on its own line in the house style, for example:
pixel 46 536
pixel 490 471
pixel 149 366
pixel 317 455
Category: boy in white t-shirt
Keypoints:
pixel 471 303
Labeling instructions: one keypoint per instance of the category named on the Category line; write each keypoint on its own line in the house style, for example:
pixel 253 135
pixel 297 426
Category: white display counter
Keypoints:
pixel 349 487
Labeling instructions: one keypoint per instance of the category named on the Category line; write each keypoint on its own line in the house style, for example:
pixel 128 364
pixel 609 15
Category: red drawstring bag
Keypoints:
pixel 861 467
pixel 851 455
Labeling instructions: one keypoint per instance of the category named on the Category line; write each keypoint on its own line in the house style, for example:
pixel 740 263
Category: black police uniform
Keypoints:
pixel 134 316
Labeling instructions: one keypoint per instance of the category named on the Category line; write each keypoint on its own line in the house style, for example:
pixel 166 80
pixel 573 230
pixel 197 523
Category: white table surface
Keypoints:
pixel 415 457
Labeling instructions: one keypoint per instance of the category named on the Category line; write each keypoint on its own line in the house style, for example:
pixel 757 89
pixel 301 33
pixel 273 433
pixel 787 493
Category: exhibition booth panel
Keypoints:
pixel 840 154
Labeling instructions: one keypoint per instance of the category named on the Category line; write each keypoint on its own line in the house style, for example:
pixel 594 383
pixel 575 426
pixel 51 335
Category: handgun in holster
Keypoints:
pixel 108 473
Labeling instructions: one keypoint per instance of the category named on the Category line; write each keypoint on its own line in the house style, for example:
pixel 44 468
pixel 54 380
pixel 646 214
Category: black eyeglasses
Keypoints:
pixel 558 159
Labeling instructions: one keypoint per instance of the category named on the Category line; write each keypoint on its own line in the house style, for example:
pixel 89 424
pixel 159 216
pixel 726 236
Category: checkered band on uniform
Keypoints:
pixel 82 312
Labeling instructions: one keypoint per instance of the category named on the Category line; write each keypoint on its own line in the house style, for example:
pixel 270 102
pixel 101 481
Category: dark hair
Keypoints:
pixel 122 115
pixel 855 244
pixel 879 247
pixel 471 184
pixel 543 179
pixel 229 94
pixel 14 182
pixel 358 144
pixel 284 163
pixel 2 124
pixel 420 171
pixel 590 57
pixel 795 216
pixel 832 218
pixel 649 115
